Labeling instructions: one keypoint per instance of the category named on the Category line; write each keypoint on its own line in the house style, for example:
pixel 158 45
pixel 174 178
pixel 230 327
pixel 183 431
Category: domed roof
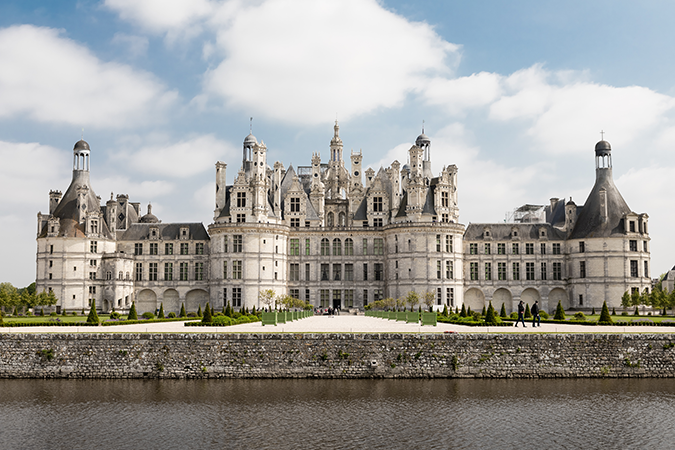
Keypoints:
pixel 149 217
pixel 422 138
pixel 250 139
pixel 603 146
pixel 406 167
pixel 81 145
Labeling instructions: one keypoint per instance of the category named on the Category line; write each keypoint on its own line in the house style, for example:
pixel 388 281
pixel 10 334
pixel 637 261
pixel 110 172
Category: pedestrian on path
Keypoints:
pixel 521 314
pixel 535 314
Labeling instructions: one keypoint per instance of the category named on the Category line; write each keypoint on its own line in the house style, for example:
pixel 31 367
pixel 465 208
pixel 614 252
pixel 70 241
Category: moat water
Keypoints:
pixel 338 414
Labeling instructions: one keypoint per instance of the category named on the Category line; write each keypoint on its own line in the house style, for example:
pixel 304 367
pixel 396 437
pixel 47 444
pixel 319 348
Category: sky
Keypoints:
pixel 513 93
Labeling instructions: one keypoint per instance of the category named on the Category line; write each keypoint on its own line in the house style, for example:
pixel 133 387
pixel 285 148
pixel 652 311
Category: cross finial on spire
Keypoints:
pixel 82 136
pixel 422 126
pixel 602 135
pixel 250 126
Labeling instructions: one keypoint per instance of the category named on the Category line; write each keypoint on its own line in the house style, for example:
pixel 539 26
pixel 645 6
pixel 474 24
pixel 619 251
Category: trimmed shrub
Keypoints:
pixel 243 319
pixel 502 312
pixel 207 315
pixel 199 311
pixel 513 315
pixel 172 315
pixel 223 321
pixel 463 313
pixel 605 318
pixel 64 313
pixel 132 312
pixel 613 312
pixel 161 311
pixel 182 310
pixel 16 311
pixel 637 311
pixel 490 316
pixel 484 311
pixel 544 315
pixel 528 314
pixel 559 312
pixel 52 314
pixel 445 311
pixel 593 311
pixel 468 311
pixel 192 314
pixel 82 312
pixel 579 316
pixel 115 315
pixel 253 318
pixel 42 312
pixel 148 315
pixel 93 317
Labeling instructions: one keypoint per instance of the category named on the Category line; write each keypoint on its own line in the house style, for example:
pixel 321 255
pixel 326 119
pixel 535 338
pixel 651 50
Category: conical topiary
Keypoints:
pixel 161 311
pixel 605 318
pixel 613 312
pixel 490 317
pixel 483 312
pixel 559 312
pixel 42 312
pixel 228 310
pixel 132 312
pixel 182 310
pixel 93 317
pixel 528 314
pixel 445 311
pixel 502 312
pixel 64 313
pixel 82 312
pixel 199 311
pixel 593 311
pixel 16 311
pixel 207 315
pixel 463 313
pixel 637 311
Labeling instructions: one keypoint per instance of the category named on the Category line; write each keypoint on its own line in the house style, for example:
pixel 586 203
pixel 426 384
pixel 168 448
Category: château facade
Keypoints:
pixel 341 237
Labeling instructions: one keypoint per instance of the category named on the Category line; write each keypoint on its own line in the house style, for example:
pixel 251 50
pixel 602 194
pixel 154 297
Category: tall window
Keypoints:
pixel 307 247
pixel 324 295
pixel 516 271
pixel 236 270
pixel 365 272
pixel 199 248
pixel 236 297
pixel 226 245
pixel 168 271
pixel 153 248
pixel 241 199
pixel 515 248
pixel 365 297
pixel 488 248
pixel 295 204
pixel 152 272
pixel 237 243
pixel 501 271
pixel 582 269
pixel 349 272
pixel 295 222
pixel 138 248
pixel 488 271
pixel 543 249
pixel 337 247
pixel 168 249
pixel 557 271
pixel 646 275
pixel 529 248
pixel 139 272
pixel 93 246
pixel 582 247
pixel 294 248
pixel 183 271
pixel 501 249
pixel 294 272
pixel 337 272
pixel 184 248
pixel 450 296
pixel 438 242
pixel 529 271
pixel 438 270
pixel 295 293
pixel 632 245
pixel 377 294
pixel 634 268
pixel 444 199
pixel 365 246
pixel 448 243
pixel 349 298
pixel 224 270
pixel 449 269
pixel 325 247
pixel 473 271
pixel 473 249
pixel 377 204
pixel 199 271
pixel 324 272
pixel 543 271
pixel 556 248
pixel 349 247
pixel 378 246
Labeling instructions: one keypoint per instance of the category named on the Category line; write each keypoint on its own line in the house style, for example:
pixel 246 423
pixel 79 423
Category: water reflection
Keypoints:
pixel 337 414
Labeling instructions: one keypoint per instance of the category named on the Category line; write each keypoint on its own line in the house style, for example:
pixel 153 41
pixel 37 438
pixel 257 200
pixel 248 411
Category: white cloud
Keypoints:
pixel 458 95
pixel 49 78
pixel 180 160
pixel 136 45
pixel 162 15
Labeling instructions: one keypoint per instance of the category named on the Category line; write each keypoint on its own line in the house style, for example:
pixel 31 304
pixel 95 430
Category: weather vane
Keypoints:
pixel 602 135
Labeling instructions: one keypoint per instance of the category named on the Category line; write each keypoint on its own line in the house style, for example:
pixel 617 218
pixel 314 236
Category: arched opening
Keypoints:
pixel 474 299
pixel 330 219
pixel 341 219
pixel 529 296
pixel 502 296
pixel 171 301
pixel 558 295
pixel 146 301
pixel 196 298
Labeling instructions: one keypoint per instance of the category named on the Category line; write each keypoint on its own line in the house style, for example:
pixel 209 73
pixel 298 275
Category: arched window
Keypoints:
pixel 330 220
pixel 325 247
pixel 349 247
pixel 337 247
pixel 341 219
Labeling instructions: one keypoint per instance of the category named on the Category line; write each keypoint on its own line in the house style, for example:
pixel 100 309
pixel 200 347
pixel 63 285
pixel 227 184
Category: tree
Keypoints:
pixel 502 312
pixel 9 296
pixel 490 316
pixel 528 313
pixel 463 312
pixel 161 311
pixel 207 315
pixel 483 312
pixel 228 310
pixel 132 312
pixel 429 298
pixel 559 312
pixel 93 317
pixel 445 311
pixel 412 299
pixel 625 300
pixel 199 311
pixel 182 310
pixel 267 297
pixel 605 318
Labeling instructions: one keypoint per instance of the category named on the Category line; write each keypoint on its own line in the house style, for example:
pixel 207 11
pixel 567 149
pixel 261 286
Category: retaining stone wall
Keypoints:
pixel 335 355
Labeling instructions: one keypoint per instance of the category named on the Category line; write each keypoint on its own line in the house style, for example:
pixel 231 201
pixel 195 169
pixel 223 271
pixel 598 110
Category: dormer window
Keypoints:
pixel 631 226
pixel 184 233
pixel 154 233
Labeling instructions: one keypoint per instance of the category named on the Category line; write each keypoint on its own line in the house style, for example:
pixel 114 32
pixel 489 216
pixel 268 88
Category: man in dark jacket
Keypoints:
pixel 535 314
pixel 521 314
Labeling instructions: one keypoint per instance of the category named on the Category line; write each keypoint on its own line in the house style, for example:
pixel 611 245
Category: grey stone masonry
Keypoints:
pixel 336 355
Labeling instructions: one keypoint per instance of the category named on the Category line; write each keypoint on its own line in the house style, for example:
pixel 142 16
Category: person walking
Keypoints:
pixel 535 314
pixel 521 314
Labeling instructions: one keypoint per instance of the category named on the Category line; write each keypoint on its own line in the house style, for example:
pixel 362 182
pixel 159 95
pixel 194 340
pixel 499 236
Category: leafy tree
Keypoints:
pixel 625 300
pixel 502 312
pixel 45 299
pixel 412 299
pixel 490 316
pixel 9 296
pixel 267 298
pixel 559 312
pixel 93 317
pixel 605 318
pixel 182 310
pixel 161 311
pixel 132 312
pixel 528 314
pixel 429 298
pixel 207 315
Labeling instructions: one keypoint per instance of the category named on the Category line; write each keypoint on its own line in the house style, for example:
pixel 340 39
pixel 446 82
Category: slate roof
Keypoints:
pixel 502 231
pixel 167 231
